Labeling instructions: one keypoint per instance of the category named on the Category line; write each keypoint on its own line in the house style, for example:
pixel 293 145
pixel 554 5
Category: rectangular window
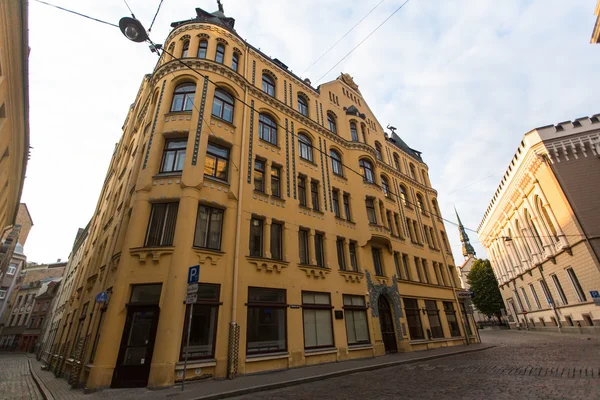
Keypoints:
pixel 319 249
pixel 216 162
pixel 259 175
pixel 203 331
pixel 441 268
pixel 276 241
pixel 314 195
pixel 451 273
pixel 2 294
pixel 161 228
pixel 276 181
pixel 437 273
pixel 425 270
pixel 413 319
pixel 410 231
pixel 266 320
pixel 559 289
pixel 335 197
pixel 12 269
pixel 209 227
pixel 256 237
pixel 526 298
pixel 397 264
pixel 397 224
pixel 451 318
pixel 302 190
pixel 303 246
pixel 355 314
pixel 377 262
pixel 546 291
pixel 444 240
pixel 388 216
pixel 173 155
pixel 318 324
pixel 535 296
pixel 371 215
pixel 418 268
pixel 346 198
pixel 353 258
pixel 406 267
pixel 339 244
pixel 576 285
pixel 434 319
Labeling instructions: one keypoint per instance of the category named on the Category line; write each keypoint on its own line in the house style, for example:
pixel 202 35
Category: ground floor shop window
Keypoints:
pixel 451 318
pixel 434 319
pixel 203 330
pixel 413 318
pixel 316 315
pixel 266 320
pixel 355 314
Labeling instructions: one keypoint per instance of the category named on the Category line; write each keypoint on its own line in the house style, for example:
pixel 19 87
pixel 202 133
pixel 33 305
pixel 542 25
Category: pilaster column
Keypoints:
pixel 309 202
pixel 267 236
pixel 311 247
pixel 347 255
pixel 411 230
pixel 377 208
pixel 290 237
pixel 268 177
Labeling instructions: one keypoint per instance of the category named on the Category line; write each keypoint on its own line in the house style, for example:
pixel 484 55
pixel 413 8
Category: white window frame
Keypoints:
pixel 3 294
pixel 578 289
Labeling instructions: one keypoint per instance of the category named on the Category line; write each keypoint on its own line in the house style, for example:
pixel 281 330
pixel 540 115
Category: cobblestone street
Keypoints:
pixel 523 365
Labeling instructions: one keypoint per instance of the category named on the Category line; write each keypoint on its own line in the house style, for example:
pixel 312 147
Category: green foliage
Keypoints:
pixel 487 298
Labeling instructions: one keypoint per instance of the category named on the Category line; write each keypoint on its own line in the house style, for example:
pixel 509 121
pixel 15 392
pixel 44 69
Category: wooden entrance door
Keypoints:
pixel 137 346
pixel 386 322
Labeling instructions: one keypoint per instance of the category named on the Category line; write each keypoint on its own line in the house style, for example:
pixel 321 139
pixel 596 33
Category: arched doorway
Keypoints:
pixel 386 322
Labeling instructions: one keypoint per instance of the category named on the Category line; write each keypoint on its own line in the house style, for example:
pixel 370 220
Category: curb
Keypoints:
pixel 299 381
pixel 43 389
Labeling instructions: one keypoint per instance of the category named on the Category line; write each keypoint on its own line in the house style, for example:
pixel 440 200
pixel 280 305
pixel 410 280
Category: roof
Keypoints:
pixel 401 144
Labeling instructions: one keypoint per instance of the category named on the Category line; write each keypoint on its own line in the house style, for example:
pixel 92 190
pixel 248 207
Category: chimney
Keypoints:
pixel 58 260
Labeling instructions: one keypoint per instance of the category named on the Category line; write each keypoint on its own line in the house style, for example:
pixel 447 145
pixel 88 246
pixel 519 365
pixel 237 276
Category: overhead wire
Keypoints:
pixel 76 13
pixel 155 14
pixel 342 38
pixel 362 41
pixel 129 8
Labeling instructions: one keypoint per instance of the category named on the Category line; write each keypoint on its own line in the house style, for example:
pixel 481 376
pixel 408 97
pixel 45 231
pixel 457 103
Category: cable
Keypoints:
pixel 129 8
pixel 473 183
pixel 155 14
pixel 76 13
pixel 362 41
pixel 340 39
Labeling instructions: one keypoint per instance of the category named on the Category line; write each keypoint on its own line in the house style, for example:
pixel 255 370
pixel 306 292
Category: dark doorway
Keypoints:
pixel 386 322
pixel 137 346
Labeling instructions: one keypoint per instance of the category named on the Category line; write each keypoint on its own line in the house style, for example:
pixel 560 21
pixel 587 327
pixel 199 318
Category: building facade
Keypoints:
pixel 596 31
pixel 14 110
pixel 318 235
pixel 22 327
pixel 541 228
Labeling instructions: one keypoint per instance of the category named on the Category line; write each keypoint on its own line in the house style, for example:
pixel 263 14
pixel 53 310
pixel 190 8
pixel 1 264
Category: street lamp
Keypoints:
pixel 133 29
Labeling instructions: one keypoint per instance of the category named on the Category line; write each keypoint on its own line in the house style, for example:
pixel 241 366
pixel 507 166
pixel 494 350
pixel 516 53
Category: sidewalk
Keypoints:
pixel 219 389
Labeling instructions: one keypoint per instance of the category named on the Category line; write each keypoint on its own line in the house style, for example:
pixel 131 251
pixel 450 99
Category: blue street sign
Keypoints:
pixel 101 297
pixel 595 294
pixel 194 274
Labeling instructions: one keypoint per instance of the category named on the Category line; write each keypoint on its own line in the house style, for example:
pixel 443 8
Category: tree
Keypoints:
pixel 487 298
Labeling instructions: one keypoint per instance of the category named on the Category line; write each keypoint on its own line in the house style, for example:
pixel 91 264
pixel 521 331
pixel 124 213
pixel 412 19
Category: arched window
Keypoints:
pixel 186 48
pixel 336 163
pixel 420 203
pixel 424 176
pixel 412 171
pixel 367 170
pixel 404 196
pixel 305 147
pixel 521 233
pixel 202 49
pixel 397 162
pixel 268 85
pixel 546 220
pixel 353 132
pixel 385 186
pixel 223 105
pixel 378 151
pixel 267 129
pixel 235 59
pixel 302 106
pixel 435 209
pixel 534 231
pixel 364 133
pixel 220 53
pixel 331 122
pixel 183 97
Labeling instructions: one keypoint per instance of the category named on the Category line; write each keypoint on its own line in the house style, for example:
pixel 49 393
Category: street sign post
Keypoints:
pixel 190 298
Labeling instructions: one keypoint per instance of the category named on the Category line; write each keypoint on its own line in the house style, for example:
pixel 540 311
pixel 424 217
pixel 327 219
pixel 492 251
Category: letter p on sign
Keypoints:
pixel 194 274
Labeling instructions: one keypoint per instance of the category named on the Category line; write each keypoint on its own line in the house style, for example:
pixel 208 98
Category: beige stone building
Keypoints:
pixel 14 116
pixel 596 32
pixel 542 228
pixel 318 234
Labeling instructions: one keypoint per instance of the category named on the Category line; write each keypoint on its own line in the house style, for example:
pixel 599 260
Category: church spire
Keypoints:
pixel 467 248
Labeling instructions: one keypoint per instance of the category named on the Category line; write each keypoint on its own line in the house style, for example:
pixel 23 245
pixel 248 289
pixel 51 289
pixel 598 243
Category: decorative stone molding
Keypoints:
pixel 269 74
pixel 267 265
pixel 203 35
pixel 155 252
pixel 351 276
pixel 90 282
pixel 221 40
pixel 237 51
pixel 314 271
pixel 185 37
pixel 393 294
pixel 208 257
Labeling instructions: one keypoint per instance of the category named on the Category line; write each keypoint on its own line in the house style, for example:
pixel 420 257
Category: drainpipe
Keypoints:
pixel 236 260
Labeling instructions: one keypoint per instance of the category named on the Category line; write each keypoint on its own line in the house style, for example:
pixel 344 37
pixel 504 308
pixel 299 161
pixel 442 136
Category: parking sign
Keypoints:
pixel 194 274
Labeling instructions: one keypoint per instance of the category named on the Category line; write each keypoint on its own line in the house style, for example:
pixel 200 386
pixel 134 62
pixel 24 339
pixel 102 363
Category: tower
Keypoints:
pixel 467 248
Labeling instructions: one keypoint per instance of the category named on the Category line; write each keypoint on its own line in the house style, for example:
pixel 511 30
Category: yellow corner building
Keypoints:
pixel 318 235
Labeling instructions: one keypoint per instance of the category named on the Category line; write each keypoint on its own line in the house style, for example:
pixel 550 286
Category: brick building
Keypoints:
pixel 541 228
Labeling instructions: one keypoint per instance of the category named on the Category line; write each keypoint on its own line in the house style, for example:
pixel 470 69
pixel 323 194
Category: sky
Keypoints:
pixel 462 80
